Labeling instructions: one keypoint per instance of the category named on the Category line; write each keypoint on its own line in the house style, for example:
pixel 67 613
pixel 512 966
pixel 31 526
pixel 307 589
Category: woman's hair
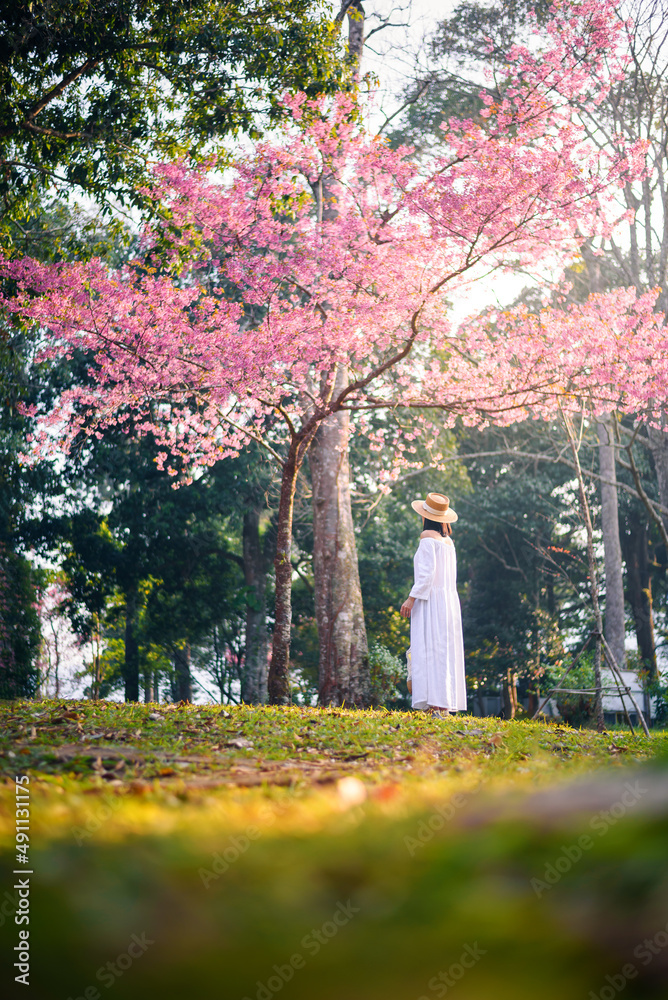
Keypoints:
pixel 440 526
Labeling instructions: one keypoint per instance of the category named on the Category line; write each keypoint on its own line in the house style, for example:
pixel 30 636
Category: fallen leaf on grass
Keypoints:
pixel 65 717
pixel 385 792
pixel 139 787
pixel 240 744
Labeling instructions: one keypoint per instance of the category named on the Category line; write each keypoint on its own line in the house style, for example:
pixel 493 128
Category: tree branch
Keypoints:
pixel 38 106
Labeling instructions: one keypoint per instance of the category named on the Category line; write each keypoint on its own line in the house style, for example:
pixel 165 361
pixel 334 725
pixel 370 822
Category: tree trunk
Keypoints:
pixel 182 679
pixel 254 675
pixel 279 669
pixel 355 36
pixel 509 694
pixel 615 624
pixel 534 701
pixel 344 672
pixel 344 656
pixel 97 671
pixel 658 442
pixel 639 583
pixel 148 686
pixel 56 665
pixel 131 661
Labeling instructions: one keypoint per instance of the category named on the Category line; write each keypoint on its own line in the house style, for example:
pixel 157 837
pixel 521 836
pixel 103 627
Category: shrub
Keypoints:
pixel 576 709
pixel 387 671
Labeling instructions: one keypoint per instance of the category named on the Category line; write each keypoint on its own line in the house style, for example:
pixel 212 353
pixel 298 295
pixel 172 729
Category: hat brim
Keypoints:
pixel 447 517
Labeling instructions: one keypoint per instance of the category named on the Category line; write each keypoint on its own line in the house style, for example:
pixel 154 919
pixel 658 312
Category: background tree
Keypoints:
pixel 502 216
pixel 524 589
pixel 343 655
pixel 90 95
pixel 19 581
pixel 467 55
pixel 92 91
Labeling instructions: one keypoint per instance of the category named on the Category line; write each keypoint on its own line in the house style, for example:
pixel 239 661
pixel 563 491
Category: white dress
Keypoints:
pixel 437 646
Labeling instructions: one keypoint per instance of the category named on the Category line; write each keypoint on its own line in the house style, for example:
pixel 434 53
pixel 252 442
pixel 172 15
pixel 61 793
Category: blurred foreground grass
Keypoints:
pixel 335 855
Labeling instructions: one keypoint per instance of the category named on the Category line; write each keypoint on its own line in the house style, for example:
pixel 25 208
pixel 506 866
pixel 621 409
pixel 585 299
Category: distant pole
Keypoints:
pixel 593 574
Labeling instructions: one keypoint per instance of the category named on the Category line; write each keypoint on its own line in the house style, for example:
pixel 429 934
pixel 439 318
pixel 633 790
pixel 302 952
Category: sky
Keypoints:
pixel 392 51
pixel 392 54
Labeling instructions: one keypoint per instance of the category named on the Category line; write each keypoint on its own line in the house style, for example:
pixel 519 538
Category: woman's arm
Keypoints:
pixel 425 568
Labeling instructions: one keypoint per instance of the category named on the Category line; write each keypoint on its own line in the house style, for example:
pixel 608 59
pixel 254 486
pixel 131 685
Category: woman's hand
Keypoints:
pixel 407 607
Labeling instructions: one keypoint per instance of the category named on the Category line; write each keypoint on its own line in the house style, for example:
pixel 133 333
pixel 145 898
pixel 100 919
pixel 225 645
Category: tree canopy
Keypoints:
pixel 89 92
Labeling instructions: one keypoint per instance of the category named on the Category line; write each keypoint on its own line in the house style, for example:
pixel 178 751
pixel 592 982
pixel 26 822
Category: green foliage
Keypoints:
pixel 133 546
pixel 304 649
pixel 576 709
pixel 387 672
pixel 19 626
pixel 388 529
pixel 471 38
pixel 520 566
pixel 19 489
pixel 90 92
pixel 657 689
pixel 153 660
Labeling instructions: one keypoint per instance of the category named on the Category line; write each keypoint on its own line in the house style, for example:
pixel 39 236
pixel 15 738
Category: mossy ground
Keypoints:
pixel 376 847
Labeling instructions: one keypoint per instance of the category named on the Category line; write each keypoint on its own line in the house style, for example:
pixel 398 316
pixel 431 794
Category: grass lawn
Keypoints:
pixel 252 852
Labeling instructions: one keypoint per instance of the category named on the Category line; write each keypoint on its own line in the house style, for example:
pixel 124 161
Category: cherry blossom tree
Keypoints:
pixel 246 304
pixel 60 646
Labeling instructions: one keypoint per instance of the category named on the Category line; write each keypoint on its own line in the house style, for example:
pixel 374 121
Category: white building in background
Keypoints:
pixel 613 708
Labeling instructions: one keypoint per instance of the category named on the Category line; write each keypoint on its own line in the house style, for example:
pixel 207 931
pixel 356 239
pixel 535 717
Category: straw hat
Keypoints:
pixel 436 507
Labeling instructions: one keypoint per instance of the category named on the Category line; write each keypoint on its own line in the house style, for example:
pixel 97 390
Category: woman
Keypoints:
pixel 437 648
